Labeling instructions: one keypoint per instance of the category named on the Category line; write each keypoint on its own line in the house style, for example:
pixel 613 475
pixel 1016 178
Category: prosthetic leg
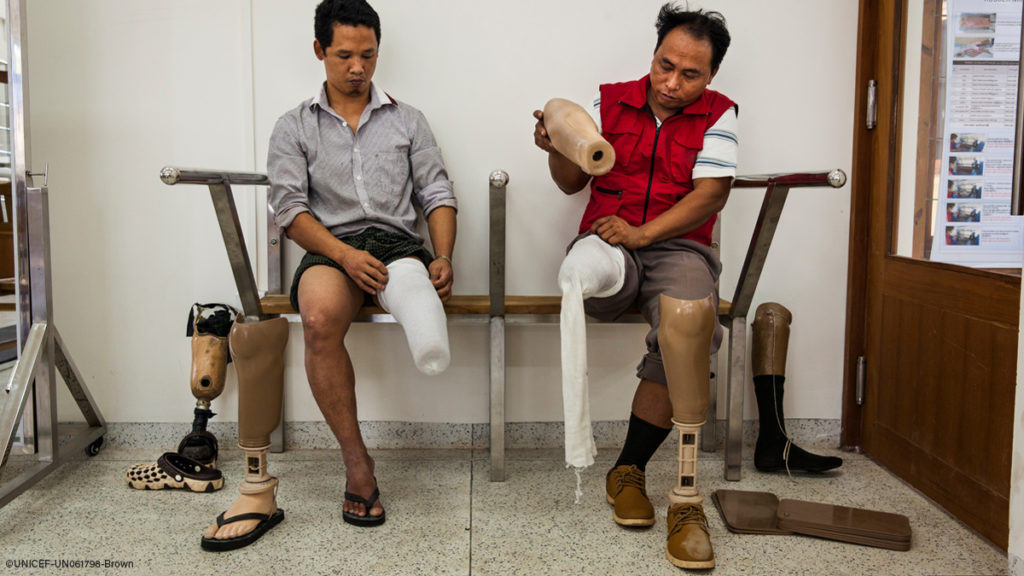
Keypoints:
pixel 684 335
pixel 209 325
pixel 412 300
pixel 775 450
pixel 574 134
pixel 258 351
pixel 593 268
pixel 193 466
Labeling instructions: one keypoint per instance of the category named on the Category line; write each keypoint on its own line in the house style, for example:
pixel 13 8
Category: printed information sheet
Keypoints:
pixel 974 226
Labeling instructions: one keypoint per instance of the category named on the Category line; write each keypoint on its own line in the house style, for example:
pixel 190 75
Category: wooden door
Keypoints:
pixel 938 341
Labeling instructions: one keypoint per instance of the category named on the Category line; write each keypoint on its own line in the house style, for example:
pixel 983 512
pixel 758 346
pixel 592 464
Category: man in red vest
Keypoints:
pixel 675 157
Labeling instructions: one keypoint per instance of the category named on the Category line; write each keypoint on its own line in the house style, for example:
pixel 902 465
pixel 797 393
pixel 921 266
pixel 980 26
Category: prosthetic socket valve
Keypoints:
pixel 574 134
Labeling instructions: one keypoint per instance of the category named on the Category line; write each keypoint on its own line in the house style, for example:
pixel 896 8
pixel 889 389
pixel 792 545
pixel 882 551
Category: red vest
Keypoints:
pixel 653 167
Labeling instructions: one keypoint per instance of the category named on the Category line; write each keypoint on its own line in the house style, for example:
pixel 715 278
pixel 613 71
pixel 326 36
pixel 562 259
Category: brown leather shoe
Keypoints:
pixel 625 489
pixel 689 542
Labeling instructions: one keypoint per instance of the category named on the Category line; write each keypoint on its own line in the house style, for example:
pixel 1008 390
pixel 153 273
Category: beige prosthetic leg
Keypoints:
pixel 574 134
pixel 684 335
pixel 209 370
pixel 774 450
pixel 258 351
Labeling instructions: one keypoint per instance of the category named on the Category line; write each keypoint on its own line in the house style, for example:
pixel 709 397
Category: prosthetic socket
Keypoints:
pixel 684 334
pixel 593 268
pixel 412 300
pixel 574 134
pixel 258 351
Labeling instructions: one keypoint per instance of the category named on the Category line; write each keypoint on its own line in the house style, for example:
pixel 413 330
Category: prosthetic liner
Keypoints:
pixel 775 450
pixel 258 351
pixel 412 300
pixel 574 134
pixel 593 268
pixel 684 335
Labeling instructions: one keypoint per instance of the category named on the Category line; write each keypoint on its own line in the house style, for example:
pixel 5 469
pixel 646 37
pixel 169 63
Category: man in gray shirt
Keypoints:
pixel 347 169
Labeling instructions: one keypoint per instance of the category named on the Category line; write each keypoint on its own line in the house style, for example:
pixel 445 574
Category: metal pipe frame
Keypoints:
pixel 498 333
pixel 43 354
pixel 219 183
pixel 776 187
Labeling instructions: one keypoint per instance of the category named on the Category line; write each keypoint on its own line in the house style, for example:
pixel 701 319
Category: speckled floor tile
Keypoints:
pixel 84 511
pixel 445 517
pixel 531 525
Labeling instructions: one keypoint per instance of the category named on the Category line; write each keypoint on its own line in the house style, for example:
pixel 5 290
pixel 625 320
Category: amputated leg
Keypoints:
pixel 685 332
pixel 412 300
pixel 592 268
pixel 258 351
pixel 774 450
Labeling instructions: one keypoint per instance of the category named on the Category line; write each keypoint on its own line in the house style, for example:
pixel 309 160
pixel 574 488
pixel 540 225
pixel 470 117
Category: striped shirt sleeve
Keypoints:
pixel 721 149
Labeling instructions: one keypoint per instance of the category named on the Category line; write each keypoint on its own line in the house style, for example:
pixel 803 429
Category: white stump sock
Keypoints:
pixel 412 300
pixel 593 268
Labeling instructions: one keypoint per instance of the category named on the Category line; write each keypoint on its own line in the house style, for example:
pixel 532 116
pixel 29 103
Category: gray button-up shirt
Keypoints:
pixel 350 182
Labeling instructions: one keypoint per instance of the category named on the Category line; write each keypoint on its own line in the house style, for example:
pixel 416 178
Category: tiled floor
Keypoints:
pixel 446 517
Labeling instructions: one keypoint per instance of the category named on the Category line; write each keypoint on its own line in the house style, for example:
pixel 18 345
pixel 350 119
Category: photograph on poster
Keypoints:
pixel 966 166
pixel 963 189
pixel 973 47
pixel 977 22
pixel 962 236
pixel 966 142
pixel 963 213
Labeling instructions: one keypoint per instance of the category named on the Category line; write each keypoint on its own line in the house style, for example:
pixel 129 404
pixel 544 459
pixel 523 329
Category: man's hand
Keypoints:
pixel 540 134
pixel 442 276
pixel 615 231
pixel 366 271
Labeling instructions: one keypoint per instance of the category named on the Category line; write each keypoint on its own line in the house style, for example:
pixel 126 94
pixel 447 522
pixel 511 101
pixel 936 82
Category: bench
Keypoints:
pixel 499 310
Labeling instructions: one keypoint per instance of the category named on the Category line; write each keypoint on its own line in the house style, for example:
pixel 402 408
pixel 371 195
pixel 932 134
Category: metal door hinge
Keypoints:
pixel 872 105
pixel 861 375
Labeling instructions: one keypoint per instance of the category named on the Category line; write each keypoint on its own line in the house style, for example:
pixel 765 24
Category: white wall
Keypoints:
pixel 120 88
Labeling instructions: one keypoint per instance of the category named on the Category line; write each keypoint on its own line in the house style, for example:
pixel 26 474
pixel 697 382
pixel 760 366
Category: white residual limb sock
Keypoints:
pixel 412 300
pixel 592 268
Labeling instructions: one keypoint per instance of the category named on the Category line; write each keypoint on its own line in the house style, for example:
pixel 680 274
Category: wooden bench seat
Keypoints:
pixel 464 305
pixel 497 307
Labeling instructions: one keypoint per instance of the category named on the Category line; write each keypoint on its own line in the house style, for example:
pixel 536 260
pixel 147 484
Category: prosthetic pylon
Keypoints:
pixel 684 336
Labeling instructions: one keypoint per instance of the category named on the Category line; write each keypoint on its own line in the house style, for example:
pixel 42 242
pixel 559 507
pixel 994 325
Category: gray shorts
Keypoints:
pixel 682 269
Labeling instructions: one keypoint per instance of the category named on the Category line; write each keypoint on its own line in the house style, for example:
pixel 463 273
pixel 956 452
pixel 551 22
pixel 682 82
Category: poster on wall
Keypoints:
pixel 973 225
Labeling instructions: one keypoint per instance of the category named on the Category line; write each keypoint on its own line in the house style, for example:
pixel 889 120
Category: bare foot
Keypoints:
pixel 263 503
pixel 360 481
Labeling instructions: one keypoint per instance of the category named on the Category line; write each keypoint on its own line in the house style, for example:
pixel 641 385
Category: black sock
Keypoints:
pixel 642 441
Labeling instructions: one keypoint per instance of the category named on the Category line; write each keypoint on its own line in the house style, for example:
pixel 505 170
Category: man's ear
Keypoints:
pixel 318 50
pixel 713 73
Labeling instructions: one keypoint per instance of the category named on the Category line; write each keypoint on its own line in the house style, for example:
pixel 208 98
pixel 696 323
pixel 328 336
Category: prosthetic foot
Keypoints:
pixel 593 268
pixel 684 335
pixel 412 300
pixel 775 450
pixel 258 351
pixel 574 134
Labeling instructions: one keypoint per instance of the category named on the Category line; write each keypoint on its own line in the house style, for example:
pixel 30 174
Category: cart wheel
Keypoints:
pixel 94 448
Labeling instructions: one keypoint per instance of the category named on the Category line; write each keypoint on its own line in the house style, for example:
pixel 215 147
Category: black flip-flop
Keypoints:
pixel 363 521
pixel 266 523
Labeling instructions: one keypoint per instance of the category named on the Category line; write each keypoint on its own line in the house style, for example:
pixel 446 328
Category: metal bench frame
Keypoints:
pixel 499 310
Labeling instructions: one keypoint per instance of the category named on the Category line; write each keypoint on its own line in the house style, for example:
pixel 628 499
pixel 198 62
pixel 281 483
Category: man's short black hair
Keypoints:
pixel 701 25
pixel 348 12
